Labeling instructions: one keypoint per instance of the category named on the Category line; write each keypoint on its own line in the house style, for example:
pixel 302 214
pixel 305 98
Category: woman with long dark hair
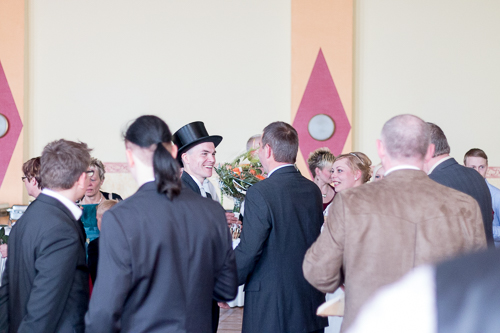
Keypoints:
pixel 164 251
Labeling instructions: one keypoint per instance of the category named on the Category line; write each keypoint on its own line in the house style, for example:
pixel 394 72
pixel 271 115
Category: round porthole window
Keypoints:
pixel 321 127
pixel 4 125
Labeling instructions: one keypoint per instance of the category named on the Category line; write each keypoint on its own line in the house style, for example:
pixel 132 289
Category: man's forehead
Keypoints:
pixel 204 146
pixel 476 160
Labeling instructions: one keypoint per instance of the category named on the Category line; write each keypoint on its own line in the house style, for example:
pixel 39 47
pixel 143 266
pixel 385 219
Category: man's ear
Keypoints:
pixel 33 182
pixel 268 151
pixel 185 159
pixel 381 149
pixel 359 174
pixel 430 152
pixel 81 180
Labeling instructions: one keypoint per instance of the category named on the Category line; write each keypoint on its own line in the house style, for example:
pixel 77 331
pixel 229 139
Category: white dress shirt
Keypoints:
pixel 73 208
pixel 206 187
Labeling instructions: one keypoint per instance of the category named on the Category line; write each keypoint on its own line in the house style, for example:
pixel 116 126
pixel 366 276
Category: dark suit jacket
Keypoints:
pixel 468 294
pixel 45 287
pixel 160 264
pixel 188 182
pixel 283 217
pixel 469 181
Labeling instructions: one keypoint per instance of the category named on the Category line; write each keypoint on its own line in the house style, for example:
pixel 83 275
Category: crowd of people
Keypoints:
pixel 163 260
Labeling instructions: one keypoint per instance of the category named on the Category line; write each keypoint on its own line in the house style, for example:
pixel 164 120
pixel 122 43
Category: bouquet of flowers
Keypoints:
pixel 236 177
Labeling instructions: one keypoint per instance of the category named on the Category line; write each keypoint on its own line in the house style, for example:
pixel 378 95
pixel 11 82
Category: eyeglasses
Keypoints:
pixel 23 178
pixel 90 172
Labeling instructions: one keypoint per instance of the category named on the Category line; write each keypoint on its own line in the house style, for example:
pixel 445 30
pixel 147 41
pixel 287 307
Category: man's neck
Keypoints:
pixel 68 194
pixel 194 176
pixel 273 165
pixel 390 164
pixel 429 166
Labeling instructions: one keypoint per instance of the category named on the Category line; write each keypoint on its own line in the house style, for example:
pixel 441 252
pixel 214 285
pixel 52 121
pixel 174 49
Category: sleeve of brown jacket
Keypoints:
pixel 323 261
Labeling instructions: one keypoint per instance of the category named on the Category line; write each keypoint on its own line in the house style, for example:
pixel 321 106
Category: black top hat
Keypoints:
pixel 192 134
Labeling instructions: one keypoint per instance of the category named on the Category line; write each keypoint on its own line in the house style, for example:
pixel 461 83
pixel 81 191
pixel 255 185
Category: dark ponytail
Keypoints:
pixel 167 173
pixel 146 131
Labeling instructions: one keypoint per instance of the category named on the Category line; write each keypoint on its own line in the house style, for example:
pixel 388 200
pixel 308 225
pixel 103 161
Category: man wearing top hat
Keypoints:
pixel 197 158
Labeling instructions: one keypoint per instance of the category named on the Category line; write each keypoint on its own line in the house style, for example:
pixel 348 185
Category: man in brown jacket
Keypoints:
pixel 377 232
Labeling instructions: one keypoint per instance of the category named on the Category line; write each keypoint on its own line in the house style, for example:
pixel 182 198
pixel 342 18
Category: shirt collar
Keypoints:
pixel 278 167
pixel 401 167
pixel 437 163
pixel 73 208
pixel 196 180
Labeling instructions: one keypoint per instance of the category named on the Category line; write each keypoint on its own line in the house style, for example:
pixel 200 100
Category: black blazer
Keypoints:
pixel 283 217
pixel 469 181
pixel 468 294
pixel 160 264
pixel 45 287
pixel 188 182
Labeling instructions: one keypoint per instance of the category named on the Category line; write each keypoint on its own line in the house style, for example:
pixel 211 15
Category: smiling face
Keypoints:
pixel 95 184
pixel 477 163
pixel 200 160
pixel 343 176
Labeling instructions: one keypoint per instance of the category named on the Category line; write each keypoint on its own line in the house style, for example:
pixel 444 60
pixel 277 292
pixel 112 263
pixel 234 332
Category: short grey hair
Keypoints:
pixel 439 140
pixel 97 164
pixel 405 137
pixel 252 139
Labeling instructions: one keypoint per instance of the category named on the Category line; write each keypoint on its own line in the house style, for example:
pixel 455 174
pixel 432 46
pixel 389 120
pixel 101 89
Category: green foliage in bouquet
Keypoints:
pixel 236 177
pixel 3 237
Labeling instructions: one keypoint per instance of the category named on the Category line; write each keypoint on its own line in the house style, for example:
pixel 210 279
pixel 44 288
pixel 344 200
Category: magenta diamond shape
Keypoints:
pixel 321 97
pixel 9 110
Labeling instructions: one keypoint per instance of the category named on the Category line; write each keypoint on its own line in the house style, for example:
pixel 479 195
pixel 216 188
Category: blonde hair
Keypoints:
pixel 319 159
pixel 358 161
pixel 105 206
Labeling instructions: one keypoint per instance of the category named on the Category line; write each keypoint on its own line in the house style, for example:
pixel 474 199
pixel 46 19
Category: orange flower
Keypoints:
pixel 252 171
pixel 237 171
pixel 260 177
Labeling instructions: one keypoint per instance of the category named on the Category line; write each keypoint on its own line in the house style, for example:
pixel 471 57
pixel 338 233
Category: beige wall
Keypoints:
pixel 95 65
pixel 435 59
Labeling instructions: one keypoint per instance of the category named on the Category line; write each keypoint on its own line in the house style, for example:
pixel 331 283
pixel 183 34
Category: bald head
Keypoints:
pixel 406 137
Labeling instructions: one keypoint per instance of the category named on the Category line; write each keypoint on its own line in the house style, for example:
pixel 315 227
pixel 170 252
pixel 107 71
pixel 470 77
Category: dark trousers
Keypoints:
pixel 215 316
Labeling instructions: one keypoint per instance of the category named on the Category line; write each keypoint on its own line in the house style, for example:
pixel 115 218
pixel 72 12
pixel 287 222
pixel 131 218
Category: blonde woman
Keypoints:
pixel 351 170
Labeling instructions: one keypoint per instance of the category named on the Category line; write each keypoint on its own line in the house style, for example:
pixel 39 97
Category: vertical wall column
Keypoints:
pixel 12 91
pixel 322 76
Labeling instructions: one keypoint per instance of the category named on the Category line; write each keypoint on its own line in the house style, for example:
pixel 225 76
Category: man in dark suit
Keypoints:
pixel 45 287
pixel 283 217
pixel 445 170
pixel 165 252
pixel 197 156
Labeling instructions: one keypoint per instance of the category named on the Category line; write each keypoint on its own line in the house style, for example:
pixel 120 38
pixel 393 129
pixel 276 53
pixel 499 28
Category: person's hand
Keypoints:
pixel 223 305
pixel 3 250
pixel 231 219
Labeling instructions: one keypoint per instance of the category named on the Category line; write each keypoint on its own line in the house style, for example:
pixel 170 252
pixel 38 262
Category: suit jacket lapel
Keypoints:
pixel 189 182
